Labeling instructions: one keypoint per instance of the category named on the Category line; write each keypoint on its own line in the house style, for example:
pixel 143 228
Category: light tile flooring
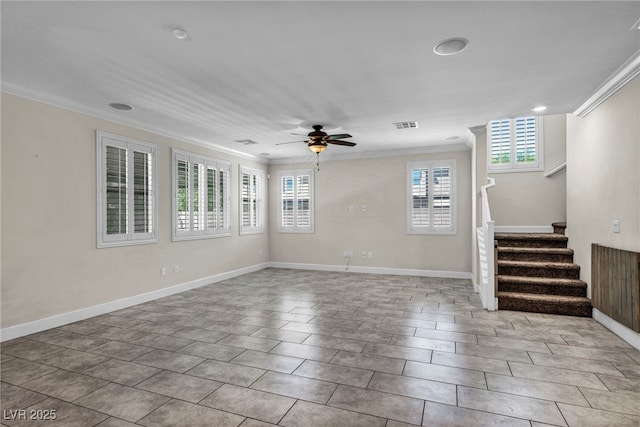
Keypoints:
pixel 300 348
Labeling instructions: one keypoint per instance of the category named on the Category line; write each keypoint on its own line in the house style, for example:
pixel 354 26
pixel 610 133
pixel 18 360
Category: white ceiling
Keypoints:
pixel 263 70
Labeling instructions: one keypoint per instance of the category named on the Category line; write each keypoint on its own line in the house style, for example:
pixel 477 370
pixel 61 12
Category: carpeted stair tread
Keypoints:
pixel 540 264
pixel 542 285
pixel 564 270
pixel 532 236
pixel 552 304
pixel 549 280
pixel 529 240
pixel 508 253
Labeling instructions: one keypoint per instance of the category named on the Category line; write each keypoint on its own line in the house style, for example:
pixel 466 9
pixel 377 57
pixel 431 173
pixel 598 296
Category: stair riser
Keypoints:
pixel 549 308
pixel 543 289
pixel 558 273
pixel 547 257
pixel 531 243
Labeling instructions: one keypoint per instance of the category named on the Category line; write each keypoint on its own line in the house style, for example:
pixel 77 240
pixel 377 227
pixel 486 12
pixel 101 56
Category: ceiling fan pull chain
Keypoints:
pixel 318 161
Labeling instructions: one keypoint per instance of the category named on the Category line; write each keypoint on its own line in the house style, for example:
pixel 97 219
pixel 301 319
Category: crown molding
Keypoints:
pixel 38 96
pixel 622 76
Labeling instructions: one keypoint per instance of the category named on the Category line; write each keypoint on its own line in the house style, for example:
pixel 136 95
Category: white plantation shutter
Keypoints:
pixel 441 203
pixel 296 201
pixel 117 206
pixel 200 196
pixel 431 197
pixel 420 215
pixel 251 182
pixel 142 192
pixel 515 144
pixel 127 201
pixel 525 137
pixel 500 142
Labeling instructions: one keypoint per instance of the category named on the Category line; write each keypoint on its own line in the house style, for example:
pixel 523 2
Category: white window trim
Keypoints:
pixel 430 164
pixel 513 166
pixel 104 240
pixel 260 192
pixel 181 235
pixel 297 229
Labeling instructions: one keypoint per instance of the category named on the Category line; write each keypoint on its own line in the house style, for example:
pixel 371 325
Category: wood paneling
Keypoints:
pixel 615 284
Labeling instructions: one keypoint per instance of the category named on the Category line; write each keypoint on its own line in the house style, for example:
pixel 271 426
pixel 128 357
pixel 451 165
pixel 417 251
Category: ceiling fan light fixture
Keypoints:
pixel 450 46
pixel 538 108
pixel 317 147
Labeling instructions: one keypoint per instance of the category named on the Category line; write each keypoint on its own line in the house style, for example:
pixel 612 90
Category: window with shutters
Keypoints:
pixel 201 196
pixel 251 205
pixel 295 201
pixel 515 144
pixel 127 191
pixel 431 198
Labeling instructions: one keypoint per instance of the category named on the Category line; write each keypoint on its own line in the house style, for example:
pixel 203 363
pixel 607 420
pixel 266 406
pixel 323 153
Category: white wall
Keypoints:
pixel 528 198
pixel 378 183
pixel 603 176
pixel 50 264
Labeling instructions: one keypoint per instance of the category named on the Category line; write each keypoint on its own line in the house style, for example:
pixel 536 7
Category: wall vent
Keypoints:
pixel 406 125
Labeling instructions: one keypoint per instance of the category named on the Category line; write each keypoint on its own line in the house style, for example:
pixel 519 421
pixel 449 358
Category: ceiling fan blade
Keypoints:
pixel 339 142
pixel 290 142
pixel 338 136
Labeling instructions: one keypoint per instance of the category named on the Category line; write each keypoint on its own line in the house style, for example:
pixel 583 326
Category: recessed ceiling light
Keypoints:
pixel 265 154
pixel 452 138
pixel 636 26
pixel 538 108
pixel 450 46
pixel 179 34
pixel 120 106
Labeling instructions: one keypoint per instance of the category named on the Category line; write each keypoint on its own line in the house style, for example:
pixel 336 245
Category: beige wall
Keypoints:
pixel 380 184
pixel 50 264
pixel 603 176
pixel 528 198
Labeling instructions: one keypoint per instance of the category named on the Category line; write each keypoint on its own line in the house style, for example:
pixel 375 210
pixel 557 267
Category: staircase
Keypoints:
pixel 536 273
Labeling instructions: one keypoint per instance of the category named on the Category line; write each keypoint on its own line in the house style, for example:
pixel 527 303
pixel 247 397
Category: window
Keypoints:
pixel 251 193
pixel 201 196
pixel 295 195
pixel 515 144
pixel 431 202
pixel 127 192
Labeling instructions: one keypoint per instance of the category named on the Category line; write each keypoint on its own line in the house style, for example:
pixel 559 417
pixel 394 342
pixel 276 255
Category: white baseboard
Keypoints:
pixel 39 325
pixel 523 229
pixel 627 334
pixel 375 270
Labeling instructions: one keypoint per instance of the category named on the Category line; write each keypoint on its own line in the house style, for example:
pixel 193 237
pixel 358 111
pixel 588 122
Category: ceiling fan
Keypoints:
pixel 318 140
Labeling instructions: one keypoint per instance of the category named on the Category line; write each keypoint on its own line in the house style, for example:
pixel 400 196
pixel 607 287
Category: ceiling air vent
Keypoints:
pixel 246 141
pixel 406 125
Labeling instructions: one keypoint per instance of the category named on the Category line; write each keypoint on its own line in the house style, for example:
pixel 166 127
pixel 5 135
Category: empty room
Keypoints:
pixel 320 213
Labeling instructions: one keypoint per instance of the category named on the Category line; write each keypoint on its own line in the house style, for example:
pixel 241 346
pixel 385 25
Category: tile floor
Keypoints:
pixel 301 348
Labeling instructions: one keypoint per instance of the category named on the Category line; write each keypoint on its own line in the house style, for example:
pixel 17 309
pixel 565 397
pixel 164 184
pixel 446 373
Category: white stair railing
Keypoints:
pixel 486 252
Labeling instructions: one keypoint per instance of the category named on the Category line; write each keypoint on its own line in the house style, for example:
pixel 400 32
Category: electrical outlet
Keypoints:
pixel 350 208
pixel 364 254
pixel 370 254
pixel 176 269
pixel 364 208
